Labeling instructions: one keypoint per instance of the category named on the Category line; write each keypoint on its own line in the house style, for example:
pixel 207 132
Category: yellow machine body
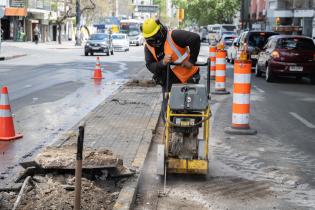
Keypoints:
pixel 189 166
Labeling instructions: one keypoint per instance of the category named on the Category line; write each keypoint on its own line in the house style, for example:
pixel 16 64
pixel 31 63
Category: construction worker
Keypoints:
pixel 163 46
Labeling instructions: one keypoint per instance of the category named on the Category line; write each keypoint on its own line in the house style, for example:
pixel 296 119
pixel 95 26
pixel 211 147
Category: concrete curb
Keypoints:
pixel 127 195
pixel 12 57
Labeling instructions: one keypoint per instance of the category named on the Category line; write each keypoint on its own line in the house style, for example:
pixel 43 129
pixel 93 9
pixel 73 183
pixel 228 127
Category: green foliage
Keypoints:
pixel 206 12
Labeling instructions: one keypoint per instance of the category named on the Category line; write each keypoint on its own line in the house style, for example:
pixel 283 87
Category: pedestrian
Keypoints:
pixel 36 34
pixel 164 46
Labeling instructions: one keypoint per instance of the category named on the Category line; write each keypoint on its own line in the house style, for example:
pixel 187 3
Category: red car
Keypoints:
pixel 287 55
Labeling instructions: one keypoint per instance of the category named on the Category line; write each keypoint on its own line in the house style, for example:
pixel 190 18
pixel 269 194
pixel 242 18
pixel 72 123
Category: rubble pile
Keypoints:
pixel 52 182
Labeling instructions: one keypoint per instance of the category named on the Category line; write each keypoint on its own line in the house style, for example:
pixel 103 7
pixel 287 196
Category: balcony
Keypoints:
pixel 17 3
pixel 38 4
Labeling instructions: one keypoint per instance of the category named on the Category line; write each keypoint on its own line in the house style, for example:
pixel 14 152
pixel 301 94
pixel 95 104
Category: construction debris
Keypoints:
pixel 64 158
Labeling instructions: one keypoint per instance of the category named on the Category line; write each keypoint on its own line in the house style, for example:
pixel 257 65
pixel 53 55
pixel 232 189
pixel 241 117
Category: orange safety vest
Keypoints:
pixel 178 55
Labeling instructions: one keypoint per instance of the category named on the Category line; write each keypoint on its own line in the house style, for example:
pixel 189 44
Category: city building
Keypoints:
pixel 258 14
pixel 291 16
pixel 13 24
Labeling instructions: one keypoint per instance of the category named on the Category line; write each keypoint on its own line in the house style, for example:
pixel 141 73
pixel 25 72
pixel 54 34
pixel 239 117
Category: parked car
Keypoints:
pixel 135 37
pixel 287 55
pixel 232 50
pixel 254 41
pixel 120 42
pixel 227 40
pixel 99 43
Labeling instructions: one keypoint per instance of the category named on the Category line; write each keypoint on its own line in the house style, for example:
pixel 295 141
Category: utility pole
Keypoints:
pixel 78 20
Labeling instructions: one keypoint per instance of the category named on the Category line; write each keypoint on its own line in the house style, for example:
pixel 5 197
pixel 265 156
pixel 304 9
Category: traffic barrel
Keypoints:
pixel 7 131
pixel 97 69
pixel 220 72
pixel 212 56
pixel 241 98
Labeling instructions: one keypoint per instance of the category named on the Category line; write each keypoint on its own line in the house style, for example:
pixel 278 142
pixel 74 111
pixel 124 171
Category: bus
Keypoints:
pixel 130 25
pixel 217 30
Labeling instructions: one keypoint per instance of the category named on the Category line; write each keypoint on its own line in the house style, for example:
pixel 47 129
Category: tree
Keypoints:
pixel 69 13
pixel 206 12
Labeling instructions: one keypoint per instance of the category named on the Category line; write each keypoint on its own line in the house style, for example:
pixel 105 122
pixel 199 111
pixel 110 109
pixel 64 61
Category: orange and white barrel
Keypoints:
pixel 220 71
pixel 212 56
pixel 241 94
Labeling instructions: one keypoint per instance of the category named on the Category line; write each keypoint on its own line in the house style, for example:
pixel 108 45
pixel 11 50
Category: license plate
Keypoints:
pixel 296 68
pixel 254 56
pixel 95 48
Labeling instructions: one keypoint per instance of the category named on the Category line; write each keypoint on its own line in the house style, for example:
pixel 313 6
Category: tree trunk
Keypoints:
pixel 59 33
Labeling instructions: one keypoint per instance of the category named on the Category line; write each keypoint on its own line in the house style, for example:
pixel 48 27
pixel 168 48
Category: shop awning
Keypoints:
pixel 12 11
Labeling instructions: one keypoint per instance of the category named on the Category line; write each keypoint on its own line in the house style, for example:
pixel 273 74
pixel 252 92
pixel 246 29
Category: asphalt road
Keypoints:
pixel 51 89
pixel 272 170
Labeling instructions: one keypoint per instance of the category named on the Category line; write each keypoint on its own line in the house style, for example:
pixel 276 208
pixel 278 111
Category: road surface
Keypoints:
pixel 272 170
pixel 51 89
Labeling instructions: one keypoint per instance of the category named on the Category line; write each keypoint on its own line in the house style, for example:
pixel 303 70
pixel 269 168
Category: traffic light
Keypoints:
pixel 180 14
pixel 278 21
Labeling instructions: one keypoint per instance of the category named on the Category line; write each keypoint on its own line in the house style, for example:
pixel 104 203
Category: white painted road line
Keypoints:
pixel 258 89
pixel 302 120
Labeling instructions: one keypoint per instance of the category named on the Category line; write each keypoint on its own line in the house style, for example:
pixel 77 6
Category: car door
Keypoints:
pixel 262 59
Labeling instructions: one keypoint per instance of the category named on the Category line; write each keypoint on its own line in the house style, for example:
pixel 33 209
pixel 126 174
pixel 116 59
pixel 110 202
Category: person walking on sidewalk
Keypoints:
pixel 164 46
pixel 36 34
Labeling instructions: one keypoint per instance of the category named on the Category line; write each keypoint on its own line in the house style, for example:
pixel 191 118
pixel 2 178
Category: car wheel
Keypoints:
pixel 86 53
pixel 107 54
pixel 112 52
pixel 269 75
pixel 257 71
pixel 312 79
pixel 91 53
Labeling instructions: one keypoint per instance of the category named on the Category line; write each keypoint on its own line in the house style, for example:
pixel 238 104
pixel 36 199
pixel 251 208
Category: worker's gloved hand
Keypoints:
pixel 187 65
pixel 167 59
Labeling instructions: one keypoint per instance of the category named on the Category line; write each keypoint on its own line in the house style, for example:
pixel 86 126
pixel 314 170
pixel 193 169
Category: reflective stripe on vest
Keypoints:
pixel 181 57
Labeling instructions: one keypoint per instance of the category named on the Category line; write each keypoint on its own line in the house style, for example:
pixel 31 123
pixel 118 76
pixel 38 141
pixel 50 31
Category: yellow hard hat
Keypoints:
pixel 150 27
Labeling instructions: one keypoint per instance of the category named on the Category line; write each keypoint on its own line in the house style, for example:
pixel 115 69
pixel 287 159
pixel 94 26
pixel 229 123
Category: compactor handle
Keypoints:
pixel 208 64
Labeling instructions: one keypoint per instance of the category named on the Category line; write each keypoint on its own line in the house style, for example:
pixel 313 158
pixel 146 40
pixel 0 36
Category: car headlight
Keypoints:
pixel 87 44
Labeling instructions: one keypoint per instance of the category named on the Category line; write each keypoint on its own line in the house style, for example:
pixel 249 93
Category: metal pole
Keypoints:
pixel 78 20
pixel 78 170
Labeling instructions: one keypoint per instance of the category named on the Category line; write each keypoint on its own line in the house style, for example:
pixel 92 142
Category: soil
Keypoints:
pixel 56 192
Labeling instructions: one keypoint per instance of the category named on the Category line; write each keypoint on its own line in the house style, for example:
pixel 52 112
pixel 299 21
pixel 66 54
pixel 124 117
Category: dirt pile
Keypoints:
pixel 64 158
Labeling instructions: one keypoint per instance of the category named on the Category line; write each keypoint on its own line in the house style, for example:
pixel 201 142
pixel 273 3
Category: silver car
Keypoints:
pixel 99 43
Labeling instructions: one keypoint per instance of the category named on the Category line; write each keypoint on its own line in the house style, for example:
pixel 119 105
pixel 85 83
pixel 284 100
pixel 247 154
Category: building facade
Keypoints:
pixel 291 16
pixel 258 14
pixel 13 24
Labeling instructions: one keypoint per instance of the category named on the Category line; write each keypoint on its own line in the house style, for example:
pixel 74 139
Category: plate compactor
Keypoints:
pixel 185 111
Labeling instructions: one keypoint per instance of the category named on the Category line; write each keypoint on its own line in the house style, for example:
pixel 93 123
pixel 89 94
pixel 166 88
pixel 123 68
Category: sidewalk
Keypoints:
pixel 10 49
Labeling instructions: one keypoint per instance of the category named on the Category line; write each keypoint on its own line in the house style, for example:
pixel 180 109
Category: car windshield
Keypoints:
pixel 229 28
pixel 259 39
pixel 296 43
pixel 118 36
pixel 133 33
pixel 98 36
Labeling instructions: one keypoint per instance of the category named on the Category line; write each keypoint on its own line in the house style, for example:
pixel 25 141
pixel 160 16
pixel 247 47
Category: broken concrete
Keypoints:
pixel 64 158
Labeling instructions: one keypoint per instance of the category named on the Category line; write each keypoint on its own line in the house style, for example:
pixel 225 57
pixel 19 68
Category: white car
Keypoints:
pixel 232 51
pixel 135 37
pixel 120 42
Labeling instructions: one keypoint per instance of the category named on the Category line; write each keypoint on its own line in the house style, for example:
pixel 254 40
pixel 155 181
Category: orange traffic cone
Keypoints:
pixel 7 131
pixel 97 70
